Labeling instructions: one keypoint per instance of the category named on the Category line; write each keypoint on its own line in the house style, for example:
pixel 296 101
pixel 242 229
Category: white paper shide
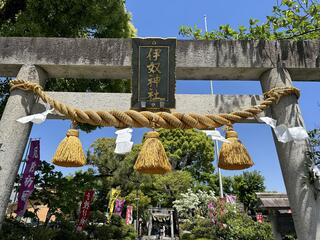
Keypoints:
pixel 216 135
pixel 36 118
pixel 123 141
pixel 285 134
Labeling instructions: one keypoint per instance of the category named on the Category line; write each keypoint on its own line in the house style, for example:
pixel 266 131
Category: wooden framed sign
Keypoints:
pixel 153 73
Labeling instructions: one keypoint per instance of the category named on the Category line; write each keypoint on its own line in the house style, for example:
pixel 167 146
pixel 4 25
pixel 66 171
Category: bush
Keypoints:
pixel 43 233
pixel 115 230
pixel 13 230
pixel 63 234
pixel 231 226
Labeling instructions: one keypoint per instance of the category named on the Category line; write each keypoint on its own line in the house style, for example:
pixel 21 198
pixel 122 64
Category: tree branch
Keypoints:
pixel 300 34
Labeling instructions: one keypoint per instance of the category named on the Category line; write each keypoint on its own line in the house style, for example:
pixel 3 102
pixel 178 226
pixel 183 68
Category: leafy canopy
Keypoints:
pixel 291 19
pixel 245 187
pixel 65 18
pixel 189 150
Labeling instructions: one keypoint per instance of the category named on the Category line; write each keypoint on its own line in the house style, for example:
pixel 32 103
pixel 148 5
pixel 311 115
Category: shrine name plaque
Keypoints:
pixel 153 73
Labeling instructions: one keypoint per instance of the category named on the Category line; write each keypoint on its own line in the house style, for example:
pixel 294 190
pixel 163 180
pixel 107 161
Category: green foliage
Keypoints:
pixel 116 170
pixel 291 19
pixel 168 187
pixel 230 224
pixel 61 18
pixel 245 187
pixel 189 150
pixel 241 226
pixel 144 200
pixel 13 230
pixel 116 230
pixel 314 152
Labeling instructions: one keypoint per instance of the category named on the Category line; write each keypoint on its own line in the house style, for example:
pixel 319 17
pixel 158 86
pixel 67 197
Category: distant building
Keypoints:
pixel 276 207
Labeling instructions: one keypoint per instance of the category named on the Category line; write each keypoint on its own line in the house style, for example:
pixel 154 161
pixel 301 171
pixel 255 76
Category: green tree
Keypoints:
pixel 143 200
pixel 117 170
pixel 197 167
pixel 168 187
pixel 65 18
pixel 189 150
pixel 291 19
pixel 245 187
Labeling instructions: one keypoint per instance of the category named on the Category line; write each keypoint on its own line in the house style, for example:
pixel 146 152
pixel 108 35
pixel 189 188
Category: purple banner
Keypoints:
pixel 27 181
pixel 119 207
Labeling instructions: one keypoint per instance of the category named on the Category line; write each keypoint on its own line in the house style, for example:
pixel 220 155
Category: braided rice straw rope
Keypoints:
pixel 149 119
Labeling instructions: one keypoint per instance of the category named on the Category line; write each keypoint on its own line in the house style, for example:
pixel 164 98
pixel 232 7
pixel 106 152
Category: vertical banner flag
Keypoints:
pixel 129 215
pixel 27 180
pixel 85 209
pixel 114 195
pixel 231 199
pixel 259 217
pixel 119 207
pixel 212 212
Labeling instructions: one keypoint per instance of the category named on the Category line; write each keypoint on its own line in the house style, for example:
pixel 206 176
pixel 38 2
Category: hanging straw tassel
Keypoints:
pixel 69 152
pixel 152 158
pixel 233 155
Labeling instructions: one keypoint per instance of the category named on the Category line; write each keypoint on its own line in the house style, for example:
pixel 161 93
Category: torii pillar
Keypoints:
pixel 292 156
pixel 14 135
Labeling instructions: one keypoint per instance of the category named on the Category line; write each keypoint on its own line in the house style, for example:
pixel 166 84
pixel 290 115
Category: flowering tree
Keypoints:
pixel 194 204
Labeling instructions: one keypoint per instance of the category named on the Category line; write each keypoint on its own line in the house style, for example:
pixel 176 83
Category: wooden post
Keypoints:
pixel 14 135
pixel 293 159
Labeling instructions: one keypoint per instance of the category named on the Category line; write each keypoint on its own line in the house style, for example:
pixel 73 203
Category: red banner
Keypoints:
pixel 27 180
pixel 85 209
pixel 129 215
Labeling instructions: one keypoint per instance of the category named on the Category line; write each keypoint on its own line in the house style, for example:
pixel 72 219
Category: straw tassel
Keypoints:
pixel 233 155
pixel 69 152
pixel 152 158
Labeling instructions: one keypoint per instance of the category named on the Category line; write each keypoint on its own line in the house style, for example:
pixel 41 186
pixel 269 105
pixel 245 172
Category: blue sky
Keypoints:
pixel 163 19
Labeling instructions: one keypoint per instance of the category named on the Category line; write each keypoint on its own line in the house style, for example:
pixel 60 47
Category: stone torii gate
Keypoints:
pixel 273 63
